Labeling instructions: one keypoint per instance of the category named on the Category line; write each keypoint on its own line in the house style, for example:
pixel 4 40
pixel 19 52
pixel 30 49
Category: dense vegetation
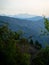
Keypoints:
pixel 17 50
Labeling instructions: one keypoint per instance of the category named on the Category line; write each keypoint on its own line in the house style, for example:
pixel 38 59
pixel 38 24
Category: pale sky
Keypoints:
pixel 33 7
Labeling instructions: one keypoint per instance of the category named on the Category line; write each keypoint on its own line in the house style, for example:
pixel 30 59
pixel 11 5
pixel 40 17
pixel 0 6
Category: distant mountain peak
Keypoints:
pixel 23 16
pixel 27 17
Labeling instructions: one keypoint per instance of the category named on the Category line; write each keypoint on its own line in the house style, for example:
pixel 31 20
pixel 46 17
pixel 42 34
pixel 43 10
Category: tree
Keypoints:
pixel 10 50
pixel 38 45
pixel 31 42
pixel 46 24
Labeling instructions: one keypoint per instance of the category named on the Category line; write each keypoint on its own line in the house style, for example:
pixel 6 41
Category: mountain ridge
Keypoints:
pixel 29 27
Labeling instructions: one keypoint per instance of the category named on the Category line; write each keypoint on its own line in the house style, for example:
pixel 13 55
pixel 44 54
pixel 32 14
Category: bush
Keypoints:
pixel 42 58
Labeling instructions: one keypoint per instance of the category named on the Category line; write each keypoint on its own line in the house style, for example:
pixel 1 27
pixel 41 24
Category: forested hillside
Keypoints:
pixel 18 50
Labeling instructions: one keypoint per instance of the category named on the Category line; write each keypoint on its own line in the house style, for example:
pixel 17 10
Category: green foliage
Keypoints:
pixel 46 30
pixel 23 59
pixel 26 59
pixel 14 49
pixel 10 50
pixel 46 23
pixel 42 57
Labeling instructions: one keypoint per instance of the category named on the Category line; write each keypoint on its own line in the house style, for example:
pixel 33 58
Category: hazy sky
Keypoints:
pixel 34 7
